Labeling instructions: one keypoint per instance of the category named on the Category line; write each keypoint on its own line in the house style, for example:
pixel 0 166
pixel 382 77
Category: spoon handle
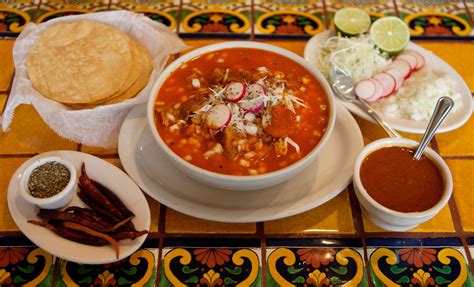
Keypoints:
pixel 442 109
pixel 368 109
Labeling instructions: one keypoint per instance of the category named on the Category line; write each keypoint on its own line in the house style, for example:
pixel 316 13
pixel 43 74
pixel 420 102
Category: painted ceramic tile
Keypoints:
pixel 288 18
pixel 418 262
pixel 139 269
pixel 470 7
pixel 22 263
pixel 216 17
pixel 435 18
pixel 470 242
pixel 15 15
pixel 50 9
pixel 163 11
pixel 375 8
pixel 211 262
pixel 307 262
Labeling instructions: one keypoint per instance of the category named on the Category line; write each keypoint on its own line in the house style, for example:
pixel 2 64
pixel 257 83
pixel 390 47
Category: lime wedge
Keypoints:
pixel 390 34
pixel 351 21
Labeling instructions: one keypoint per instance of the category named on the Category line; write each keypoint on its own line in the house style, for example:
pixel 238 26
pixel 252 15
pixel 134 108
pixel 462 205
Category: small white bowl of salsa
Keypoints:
pixel 241 115
pixel 396 191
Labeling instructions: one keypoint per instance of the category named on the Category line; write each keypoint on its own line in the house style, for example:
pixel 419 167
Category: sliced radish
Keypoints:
pixel 420 60
pixel 235 91
pixel 388 82
pixel 365 89
pixel 409 58
pixel 254 96
pixel 401 65
pixel 218 116
pixel 398 76
pixel 378 93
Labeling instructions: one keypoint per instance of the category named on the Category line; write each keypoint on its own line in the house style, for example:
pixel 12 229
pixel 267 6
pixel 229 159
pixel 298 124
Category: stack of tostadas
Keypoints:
pixel 86 64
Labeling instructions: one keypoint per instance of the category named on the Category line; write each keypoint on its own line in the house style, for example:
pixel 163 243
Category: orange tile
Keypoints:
pixel 98 150
pixel 463 176
pixel 30 134
pixel 177 222
pixel 6 56
pixel 442 222
pixel 333 216
pixel 372 131
pixel 153 204
pixel 457 142
pixel 197 43
pixel 8 166
pixel 458 55
pixel 3 101
pixel 296 46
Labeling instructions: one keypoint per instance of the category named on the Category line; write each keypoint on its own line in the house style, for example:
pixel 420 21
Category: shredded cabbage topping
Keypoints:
pixel 357 56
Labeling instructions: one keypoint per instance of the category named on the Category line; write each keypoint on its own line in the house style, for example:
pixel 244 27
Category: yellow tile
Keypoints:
pixel 3 101
pixel 295 46
pixel 177 222
pixel 463 176
pixel 372 131
pixel 154 205
pixel 442 222
pixel 98 150
pixel 457 142
pixel 6 56
pixel 458 55
pixel 30 134
pixel 8 166
pixel 333 216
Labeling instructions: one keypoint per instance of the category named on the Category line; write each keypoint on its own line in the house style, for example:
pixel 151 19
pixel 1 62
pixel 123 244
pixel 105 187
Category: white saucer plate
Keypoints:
pixel 330 173
pixel 104 173
pixel 439 66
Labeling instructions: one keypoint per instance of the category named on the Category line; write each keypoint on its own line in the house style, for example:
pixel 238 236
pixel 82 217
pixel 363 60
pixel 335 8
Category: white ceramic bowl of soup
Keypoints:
pixel 388 218
pixel 239 182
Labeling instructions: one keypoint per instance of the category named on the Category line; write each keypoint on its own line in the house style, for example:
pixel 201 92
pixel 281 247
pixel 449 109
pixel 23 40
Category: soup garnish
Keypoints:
pixel 241 111
pixel 393 178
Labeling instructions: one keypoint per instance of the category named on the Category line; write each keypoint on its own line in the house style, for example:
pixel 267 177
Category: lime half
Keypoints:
pixel 351 21
pixel 390 34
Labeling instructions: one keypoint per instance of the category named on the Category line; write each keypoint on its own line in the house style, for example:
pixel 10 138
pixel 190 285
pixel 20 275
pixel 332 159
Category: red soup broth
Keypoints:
pixel 194 87
pixel 393 178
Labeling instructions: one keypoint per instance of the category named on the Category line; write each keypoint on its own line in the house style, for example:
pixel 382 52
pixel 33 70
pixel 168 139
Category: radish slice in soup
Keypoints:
pixel 398 76
pixel 253 101
pixel 365 89
pixel 388 82
pixel 378 93
pixel 218 116
pixel 420 60
pixel 410 59
pixel 402 66
pixel 235 91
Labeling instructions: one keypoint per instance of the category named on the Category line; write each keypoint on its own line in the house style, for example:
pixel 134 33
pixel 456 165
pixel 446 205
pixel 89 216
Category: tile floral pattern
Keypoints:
pixel 50 9
pixel 139 269
pixel 315 265
pixel 163 11
pixel 15 15
pixel 283 18
pixel 26 266
pixel 436 18
pixel 216 17
pixel 423 262
pixel 211 266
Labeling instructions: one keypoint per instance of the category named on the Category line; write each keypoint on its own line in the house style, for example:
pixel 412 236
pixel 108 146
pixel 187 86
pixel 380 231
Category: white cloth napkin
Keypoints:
pixel 99 126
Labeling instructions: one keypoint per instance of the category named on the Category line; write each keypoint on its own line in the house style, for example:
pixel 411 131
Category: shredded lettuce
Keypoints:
pixel 357 56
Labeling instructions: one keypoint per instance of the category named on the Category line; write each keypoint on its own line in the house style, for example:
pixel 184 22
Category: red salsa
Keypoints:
pixel 393 178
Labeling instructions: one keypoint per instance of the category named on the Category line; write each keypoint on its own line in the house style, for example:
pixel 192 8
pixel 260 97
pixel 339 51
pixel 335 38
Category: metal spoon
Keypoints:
pixel 442 109
pixel 343 87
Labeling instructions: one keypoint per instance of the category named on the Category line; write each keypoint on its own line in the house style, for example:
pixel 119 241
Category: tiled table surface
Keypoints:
pixel 333 244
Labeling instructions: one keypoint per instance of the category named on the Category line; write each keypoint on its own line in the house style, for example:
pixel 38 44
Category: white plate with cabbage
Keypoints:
pixel 411 106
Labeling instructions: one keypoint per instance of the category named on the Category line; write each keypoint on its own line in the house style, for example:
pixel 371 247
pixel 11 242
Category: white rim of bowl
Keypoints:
pixel 27 172
pixel 240 44
pixel 435 157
